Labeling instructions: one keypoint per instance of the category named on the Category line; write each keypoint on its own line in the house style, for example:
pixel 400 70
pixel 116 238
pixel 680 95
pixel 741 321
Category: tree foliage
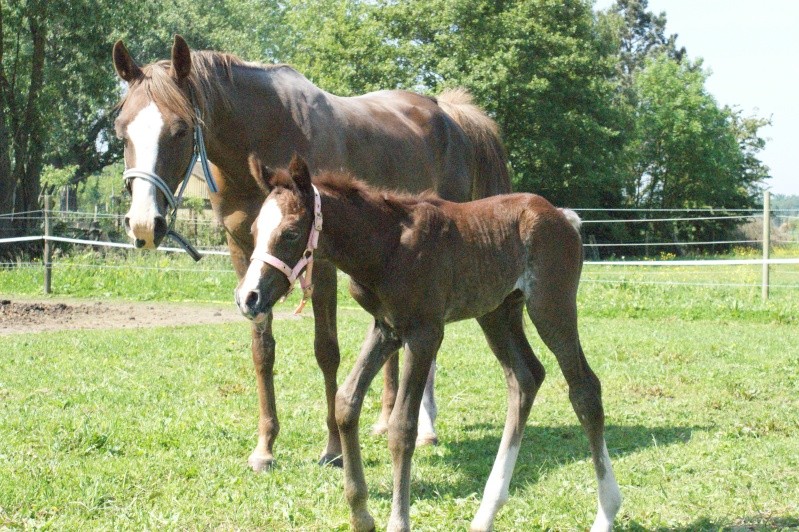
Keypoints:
pixel 597 110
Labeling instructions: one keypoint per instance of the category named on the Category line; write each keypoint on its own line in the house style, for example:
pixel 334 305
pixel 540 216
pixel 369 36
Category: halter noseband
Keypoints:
pixel 302 270
pixel 174 201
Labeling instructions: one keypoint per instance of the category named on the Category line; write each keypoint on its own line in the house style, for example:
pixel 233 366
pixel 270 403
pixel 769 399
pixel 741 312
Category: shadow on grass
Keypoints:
pixel 746 524
pixel 543 449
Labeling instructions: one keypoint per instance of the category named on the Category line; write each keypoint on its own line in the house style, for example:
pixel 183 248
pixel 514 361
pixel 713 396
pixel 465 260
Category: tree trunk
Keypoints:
pixel 29 145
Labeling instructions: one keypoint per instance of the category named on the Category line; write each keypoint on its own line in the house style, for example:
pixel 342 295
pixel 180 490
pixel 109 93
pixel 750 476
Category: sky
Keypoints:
pixel 751 48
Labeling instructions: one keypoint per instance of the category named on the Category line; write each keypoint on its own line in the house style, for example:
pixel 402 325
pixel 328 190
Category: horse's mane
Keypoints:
pixel 209 71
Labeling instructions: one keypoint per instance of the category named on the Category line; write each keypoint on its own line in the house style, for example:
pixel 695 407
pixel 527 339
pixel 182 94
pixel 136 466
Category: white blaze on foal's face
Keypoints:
pixel 143 134
pixel 268 221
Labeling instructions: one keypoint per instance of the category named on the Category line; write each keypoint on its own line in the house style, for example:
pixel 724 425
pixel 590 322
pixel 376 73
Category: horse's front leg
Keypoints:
pixel 380 342
pixel 327 351
pixel 420 348
pixel 263 358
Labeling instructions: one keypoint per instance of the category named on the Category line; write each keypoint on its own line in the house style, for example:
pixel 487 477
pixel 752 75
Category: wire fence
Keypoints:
pixel 104 233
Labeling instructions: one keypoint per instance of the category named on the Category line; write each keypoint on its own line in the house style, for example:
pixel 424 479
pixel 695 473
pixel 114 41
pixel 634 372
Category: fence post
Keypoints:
pixel 48 267
pixel 766 241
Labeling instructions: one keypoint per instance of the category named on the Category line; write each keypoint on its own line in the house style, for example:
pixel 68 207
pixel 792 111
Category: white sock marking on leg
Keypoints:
pixel 609 496
pixel 495 494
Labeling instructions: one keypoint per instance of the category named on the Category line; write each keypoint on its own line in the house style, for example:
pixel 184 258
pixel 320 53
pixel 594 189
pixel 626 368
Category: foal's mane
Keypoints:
pixel 345 184
pixel 209 72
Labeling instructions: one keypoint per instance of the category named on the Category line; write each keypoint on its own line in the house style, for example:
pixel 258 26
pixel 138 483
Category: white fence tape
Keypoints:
pixel 706 262
pixel 105 244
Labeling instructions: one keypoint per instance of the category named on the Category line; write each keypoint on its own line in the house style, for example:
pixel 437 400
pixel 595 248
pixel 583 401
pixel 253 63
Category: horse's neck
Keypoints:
pixel 357 235
pixel 268 111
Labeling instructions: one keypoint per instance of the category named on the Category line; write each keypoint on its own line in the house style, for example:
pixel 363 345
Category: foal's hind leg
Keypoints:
pixel 524 375
pixel 555 318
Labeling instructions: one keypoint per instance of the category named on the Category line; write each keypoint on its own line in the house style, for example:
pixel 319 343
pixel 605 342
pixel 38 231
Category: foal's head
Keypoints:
pixel 156 121
pixel 281 231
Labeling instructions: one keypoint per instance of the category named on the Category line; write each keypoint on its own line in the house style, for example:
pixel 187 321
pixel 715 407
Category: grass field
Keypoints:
pixel 150 429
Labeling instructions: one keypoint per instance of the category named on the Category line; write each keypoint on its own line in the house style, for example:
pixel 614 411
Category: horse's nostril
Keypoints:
pixel 160 228
pixel 252 299
pixel 139 243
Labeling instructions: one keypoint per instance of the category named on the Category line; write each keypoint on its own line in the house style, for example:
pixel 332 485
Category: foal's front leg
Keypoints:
pixel 263 359
pixel 380 342
pixel 420 346
pixel 327 352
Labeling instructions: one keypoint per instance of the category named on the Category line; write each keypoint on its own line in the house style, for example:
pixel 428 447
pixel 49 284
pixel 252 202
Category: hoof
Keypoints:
pixel 362 522
pixel 334 460
pixel 379 428
pixel 426 439
pixel 260 462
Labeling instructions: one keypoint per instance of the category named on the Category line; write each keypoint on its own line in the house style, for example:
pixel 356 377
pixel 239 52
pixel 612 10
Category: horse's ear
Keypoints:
pixel 124 63
pixel 261 173
pixel 298 169
pixel 181 58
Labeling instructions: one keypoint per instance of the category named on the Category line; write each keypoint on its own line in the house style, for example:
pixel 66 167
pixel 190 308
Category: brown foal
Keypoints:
pixel 416 263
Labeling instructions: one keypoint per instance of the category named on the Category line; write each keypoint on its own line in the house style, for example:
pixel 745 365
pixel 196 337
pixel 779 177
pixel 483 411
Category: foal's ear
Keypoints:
pixel 124 63
pixel 298 169
pixel 261 173
pixel 181 58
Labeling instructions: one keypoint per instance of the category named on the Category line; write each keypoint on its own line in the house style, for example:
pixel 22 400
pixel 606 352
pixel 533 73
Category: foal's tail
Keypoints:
pixel 490 175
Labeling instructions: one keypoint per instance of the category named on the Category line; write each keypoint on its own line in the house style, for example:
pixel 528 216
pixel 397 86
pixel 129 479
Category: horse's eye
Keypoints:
pixel 179 130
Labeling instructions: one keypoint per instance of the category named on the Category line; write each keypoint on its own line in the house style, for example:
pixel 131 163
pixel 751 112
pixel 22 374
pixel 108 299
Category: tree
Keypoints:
pixel 688 152
pixel 541 68
pixel 58 88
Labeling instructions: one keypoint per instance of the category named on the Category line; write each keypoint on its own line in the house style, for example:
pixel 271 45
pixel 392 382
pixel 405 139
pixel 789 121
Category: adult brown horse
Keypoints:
pixel 415 264
pixel 396 139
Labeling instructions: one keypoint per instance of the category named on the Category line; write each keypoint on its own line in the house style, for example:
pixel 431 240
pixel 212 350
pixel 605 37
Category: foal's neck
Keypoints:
pixel 358 234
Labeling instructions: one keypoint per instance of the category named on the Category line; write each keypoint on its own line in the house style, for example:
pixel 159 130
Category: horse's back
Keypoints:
pixel 405 141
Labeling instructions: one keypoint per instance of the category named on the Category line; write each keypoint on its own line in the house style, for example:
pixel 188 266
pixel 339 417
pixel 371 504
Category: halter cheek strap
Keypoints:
pixel 303 269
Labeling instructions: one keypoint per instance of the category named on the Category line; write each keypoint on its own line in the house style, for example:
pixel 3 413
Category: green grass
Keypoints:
pixel 145 429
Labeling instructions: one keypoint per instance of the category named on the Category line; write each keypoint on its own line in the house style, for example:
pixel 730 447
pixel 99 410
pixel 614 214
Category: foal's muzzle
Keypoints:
pixel 253 305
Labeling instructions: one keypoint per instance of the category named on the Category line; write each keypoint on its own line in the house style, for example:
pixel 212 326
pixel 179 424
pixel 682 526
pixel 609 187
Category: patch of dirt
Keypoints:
pixel 25 315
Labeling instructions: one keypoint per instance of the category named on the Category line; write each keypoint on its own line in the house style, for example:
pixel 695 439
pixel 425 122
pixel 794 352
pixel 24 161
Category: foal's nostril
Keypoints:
pixel 252 299
pixel 139 243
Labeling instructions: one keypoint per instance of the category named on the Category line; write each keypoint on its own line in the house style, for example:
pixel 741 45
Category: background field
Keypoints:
pixel 151 428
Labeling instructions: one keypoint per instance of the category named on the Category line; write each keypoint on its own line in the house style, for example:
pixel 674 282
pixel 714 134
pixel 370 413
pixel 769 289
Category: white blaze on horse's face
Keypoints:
pixel 267 223
pixel 143 133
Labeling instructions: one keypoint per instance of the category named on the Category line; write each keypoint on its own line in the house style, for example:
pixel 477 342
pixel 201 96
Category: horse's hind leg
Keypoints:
pixel 524 374
pixel 327 351
pixel 554 314
pixel 427 412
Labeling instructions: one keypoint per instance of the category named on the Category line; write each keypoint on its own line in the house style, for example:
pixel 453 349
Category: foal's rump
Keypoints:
pixel 498 244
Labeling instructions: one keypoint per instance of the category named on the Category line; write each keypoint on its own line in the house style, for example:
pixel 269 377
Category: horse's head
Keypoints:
pixel 284 233
pixel 156 121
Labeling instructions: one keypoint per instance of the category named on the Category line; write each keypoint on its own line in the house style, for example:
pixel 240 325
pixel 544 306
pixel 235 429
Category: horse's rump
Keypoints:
pixel 490 174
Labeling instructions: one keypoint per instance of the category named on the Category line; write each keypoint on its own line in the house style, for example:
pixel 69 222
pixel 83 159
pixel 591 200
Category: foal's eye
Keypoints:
pixel 291 236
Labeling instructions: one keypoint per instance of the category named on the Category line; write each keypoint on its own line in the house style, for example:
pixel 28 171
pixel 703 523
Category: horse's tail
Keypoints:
pixel 490 175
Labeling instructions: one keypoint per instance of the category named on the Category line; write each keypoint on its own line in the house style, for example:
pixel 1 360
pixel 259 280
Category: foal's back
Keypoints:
pixel 461 260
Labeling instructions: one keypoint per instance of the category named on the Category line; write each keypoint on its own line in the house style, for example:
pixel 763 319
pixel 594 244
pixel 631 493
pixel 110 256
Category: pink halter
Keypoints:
pixel 305 263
